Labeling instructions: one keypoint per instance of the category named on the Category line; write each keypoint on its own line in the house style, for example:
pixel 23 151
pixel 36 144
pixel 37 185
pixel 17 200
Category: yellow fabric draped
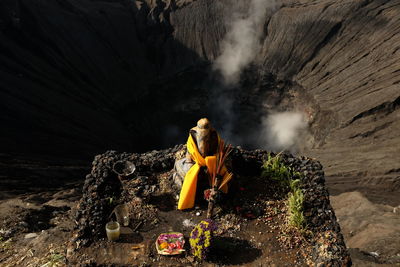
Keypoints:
pixel 188 191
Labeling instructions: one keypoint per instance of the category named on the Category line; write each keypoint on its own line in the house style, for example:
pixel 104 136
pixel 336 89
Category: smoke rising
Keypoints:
pixel 241 43
pixel 238 49
pixel 283 131
pixel 277 131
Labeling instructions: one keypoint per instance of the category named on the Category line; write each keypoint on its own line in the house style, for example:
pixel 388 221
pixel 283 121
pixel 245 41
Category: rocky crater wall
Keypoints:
pixel 134 75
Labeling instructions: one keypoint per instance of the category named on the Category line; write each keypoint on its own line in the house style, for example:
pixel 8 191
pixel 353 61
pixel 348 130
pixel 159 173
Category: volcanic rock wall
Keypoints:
pixel 73 71
pixel 346 55
pixel 92 75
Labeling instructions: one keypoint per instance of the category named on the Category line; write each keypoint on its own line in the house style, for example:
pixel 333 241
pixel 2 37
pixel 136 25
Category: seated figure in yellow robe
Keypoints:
pixel 191 171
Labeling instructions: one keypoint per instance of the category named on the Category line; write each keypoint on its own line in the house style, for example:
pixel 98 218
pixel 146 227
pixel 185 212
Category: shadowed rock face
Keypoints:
pixel 70 69
pixel 80 77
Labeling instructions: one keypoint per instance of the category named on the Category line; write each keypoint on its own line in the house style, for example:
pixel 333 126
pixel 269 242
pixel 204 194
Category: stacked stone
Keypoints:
pixel 102 185
pixel 247 163
pixel 155 161
pixel 329 247
pixel 100 191
pixel 103 190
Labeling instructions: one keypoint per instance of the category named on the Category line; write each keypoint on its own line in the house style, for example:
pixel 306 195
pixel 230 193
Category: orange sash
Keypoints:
pixel 188 191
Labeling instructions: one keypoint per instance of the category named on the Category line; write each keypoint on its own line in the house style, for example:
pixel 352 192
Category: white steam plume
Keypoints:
pixel 284 130
pixel 278 131
pixel 238 48
pixel 241 43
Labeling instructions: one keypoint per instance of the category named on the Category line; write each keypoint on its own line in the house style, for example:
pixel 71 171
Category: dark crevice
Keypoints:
pixel 393 171
pixel 386 107
pixel 315 65
pixel 369 133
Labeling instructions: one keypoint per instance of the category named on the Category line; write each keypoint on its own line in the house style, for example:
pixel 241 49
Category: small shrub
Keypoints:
pixel 294 184
pixel 54 259
pixel 295 209
pixel 201 238
pixel 5 244
pixel 285 176
pixel 276 170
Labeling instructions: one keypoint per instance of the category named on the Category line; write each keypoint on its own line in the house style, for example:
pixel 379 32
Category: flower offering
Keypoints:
pixel 201 238
pixel 170 243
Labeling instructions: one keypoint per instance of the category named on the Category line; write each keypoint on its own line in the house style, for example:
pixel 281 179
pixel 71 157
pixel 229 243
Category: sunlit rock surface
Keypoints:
pixel 81 77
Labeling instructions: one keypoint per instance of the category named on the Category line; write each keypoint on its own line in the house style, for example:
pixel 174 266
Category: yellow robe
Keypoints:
pixel 188 191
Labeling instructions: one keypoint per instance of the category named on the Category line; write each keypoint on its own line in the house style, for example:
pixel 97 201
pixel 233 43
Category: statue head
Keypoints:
pixel 204 124
pixel 203 130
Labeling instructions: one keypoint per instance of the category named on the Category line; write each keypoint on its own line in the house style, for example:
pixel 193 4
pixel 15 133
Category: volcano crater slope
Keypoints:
pixel 81 77
pixel 252 218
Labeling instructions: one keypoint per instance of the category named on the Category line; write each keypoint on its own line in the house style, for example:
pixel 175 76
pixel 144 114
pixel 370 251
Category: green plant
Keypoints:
pixel 112 200
pixel 54 259
pixel 5 244
pixel 288 179
pixel 295 209
pixel 276 170
pixel 294 184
